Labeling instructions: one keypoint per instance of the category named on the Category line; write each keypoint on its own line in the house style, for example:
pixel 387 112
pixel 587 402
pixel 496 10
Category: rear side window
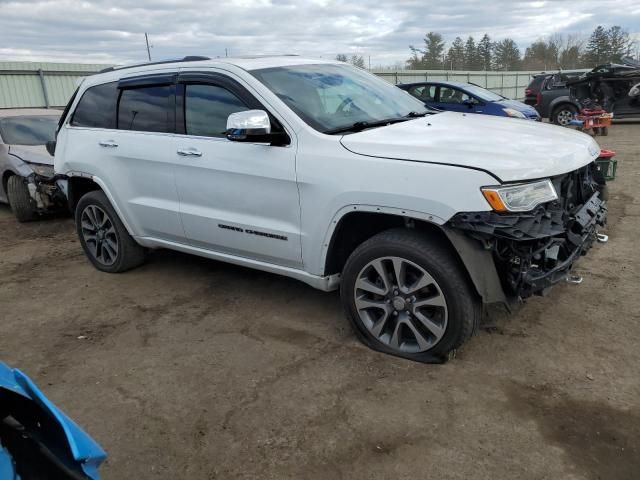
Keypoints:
pixel 97 107
pixel 207 108
pixel 146 109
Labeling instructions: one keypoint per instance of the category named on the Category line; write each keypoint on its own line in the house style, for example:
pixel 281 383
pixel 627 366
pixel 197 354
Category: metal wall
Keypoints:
pixel 40 84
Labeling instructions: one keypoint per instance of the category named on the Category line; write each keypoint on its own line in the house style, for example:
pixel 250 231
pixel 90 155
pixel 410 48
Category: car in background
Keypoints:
pixel 554 100
pixel 26 168
pixel 468 98
pixel 532 90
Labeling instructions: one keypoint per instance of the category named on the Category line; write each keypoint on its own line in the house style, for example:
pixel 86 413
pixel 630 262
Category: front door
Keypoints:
pixel 235 198
pixel 455 100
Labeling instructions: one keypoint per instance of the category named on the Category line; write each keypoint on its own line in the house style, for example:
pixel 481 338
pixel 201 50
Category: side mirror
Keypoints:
pixel 51 147
pixel 249 126
pixel 469 102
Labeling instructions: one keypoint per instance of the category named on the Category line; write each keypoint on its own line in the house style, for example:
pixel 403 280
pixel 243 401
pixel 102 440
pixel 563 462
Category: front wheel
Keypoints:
pixel 104 238
pixel 408 296
pixel 22 205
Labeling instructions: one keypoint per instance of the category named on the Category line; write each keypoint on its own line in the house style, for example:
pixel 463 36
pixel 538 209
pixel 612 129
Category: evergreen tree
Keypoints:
pixel 597 51
pixel 431 57
pixel 341 57
pixel 471 60
pixel 455 56
pixel 485 53
pixel 507 55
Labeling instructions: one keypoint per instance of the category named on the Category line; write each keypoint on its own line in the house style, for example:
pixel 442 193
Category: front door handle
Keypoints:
pixel 189 152
pixel 108 144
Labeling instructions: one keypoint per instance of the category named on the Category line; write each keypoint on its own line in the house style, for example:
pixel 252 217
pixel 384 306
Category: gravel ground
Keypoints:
pixel 189 368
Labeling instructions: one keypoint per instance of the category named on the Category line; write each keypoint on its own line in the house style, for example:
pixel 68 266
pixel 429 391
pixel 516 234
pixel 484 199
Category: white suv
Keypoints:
pixel 327 174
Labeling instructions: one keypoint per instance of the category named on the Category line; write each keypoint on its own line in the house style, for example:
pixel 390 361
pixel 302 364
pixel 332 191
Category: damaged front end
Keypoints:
pixel 46 191
pixel 536 249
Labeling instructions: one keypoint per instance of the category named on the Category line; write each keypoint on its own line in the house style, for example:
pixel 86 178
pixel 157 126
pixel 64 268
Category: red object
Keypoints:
pixel 607 153
pixel 589 112
pixel 527 91
pixel 538 98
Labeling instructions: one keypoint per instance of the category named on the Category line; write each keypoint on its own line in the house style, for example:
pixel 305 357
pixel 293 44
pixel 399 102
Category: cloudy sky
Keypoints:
pixel 113 31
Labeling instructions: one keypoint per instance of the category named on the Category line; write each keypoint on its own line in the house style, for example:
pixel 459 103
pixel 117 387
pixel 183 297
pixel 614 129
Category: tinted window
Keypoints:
pixel 424 93
pixel 97 107
pixel 146 109
pixel 28 130
pixel 206 109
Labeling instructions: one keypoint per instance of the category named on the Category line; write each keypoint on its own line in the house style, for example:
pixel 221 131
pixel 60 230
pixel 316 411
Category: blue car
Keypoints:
pixel 468 98
pixel 37 440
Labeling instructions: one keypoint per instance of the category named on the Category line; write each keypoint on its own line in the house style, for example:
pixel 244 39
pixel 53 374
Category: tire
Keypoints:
pixel 103 237
pixel 604 131
pixel 445 298
pixel 22 205
pixel 563 114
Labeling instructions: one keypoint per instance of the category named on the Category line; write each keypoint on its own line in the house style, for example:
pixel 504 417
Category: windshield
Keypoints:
pixel 28 130
pixel 331 98
pixel 483 93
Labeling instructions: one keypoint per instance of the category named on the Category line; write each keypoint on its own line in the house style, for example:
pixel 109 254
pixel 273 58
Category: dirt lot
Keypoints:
pixel 188 368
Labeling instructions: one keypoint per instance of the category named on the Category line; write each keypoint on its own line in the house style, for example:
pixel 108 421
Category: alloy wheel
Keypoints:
pixel 564 117
pixel 401 304
pixel 99 234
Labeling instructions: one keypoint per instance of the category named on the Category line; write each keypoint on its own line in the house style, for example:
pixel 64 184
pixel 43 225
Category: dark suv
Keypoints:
pixel 532 90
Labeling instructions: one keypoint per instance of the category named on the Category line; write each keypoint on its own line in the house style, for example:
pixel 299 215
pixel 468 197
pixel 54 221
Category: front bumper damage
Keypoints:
pixel 532 251
pixel 47 193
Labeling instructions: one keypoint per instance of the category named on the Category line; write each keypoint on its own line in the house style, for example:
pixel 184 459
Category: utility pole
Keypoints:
pixel 146 39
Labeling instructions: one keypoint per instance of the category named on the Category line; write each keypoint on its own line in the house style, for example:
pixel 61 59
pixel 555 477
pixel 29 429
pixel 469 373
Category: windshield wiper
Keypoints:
pixel 359 126
pixel 417 114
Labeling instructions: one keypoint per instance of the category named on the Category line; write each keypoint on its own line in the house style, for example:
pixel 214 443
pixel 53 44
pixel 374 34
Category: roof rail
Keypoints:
pixel 188 58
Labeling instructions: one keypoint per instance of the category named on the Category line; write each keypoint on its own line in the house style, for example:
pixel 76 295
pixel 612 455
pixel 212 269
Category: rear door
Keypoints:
pixel 123 134
pixel 235 198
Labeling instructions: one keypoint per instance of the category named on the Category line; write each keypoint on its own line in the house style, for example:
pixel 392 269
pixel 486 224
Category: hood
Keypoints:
pixel 516 105
pixel 32 153
pixel 510 150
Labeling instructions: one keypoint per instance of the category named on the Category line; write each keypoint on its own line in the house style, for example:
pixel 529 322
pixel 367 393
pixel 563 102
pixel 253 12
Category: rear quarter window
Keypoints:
pixel 97 107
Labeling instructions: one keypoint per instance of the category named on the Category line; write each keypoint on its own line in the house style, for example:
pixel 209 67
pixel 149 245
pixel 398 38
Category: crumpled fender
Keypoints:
pixel 83 448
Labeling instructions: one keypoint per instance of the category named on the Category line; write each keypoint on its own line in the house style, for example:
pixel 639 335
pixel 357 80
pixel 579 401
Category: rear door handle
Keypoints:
pixel 108 144
pixel 189 152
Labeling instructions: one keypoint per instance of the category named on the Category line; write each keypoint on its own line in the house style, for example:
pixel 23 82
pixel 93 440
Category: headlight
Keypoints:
pixel 513 113
pixel 520 198
pixel 42 170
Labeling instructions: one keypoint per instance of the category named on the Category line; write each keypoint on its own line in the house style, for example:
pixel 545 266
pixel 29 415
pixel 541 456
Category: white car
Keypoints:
pixel 26 168
pixel 325 173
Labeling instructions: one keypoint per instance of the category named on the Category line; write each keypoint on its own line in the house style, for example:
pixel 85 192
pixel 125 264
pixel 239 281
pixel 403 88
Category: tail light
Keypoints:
pixel 527 91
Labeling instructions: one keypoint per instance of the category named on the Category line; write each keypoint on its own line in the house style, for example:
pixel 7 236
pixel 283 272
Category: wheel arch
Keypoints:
pixel 358 225
pixel 81 184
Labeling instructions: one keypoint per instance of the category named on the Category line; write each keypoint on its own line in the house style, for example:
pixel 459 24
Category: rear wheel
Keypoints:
pixel 104 238
pixel 22 205
pixel 563 114
pixel 408 296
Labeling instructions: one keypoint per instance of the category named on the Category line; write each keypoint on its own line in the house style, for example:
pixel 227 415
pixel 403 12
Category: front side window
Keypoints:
pixel 453 96
pixel 331 97
pixel 206 109
pixel 146 109
pixel 28 130
pixel 97 107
